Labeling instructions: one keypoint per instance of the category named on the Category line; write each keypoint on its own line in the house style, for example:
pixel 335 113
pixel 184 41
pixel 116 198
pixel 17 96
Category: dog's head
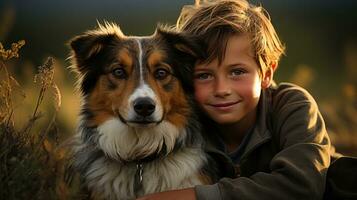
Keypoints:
pixel 135 84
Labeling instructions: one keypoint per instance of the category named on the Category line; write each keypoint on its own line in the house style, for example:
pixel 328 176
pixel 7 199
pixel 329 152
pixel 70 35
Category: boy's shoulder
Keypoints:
pixel 286 98
pixel 285 93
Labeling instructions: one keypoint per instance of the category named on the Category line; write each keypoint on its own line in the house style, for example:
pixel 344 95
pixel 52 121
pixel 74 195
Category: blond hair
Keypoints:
pixel 215 21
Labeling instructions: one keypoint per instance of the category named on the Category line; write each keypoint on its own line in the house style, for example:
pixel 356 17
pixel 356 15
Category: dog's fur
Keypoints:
pixel 137 131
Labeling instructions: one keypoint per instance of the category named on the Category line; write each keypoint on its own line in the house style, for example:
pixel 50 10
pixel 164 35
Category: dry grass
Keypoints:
pixel 31 158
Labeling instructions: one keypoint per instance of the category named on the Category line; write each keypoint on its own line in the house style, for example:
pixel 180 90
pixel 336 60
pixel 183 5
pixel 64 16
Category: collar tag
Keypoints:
pixel 138 177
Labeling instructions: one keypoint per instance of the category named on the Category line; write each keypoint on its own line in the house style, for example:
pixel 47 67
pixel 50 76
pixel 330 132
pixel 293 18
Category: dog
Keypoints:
pixel 138 132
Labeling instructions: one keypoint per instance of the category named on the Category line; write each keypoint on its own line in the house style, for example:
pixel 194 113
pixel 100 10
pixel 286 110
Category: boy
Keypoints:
pixel 269 140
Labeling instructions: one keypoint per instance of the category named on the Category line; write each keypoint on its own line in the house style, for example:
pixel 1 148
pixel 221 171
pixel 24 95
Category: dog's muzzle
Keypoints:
pixel 144 107
pixel 144 112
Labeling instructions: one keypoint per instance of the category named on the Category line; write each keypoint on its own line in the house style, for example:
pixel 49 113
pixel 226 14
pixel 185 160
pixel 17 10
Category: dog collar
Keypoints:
pixel 138 179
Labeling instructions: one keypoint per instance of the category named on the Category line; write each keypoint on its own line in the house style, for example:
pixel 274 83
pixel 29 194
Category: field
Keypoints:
pixel 39 104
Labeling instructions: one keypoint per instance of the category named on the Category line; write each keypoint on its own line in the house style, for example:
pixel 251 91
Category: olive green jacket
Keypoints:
pixel 286 157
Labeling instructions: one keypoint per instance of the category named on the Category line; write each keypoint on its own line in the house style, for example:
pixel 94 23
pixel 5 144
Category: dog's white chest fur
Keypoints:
pixel 115 181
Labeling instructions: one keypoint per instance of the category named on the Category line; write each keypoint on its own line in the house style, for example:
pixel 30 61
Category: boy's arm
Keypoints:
pixel 298 170
pixel 184 194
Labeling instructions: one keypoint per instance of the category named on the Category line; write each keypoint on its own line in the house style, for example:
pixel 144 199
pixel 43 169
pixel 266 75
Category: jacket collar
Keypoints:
pixel 260 133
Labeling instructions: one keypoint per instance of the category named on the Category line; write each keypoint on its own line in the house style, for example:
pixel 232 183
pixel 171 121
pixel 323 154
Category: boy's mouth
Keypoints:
pixel 224 104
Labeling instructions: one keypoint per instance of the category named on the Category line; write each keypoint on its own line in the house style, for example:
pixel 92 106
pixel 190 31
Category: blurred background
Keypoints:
pixel 320 38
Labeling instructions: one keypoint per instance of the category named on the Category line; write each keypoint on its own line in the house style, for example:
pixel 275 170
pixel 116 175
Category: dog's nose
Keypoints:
pixel 144 106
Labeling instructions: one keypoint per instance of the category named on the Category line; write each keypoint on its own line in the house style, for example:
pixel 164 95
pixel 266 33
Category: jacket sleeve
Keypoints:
pixel 298 170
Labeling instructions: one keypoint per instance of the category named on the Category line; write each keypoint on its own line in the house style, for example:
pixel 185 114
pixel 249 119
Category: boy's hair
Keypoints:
pixel 216 21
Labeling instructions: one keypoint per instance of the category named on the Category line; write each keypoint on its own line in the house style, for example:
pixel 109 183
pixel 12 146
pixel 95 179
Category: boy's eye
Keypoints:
pixel 203 76
pixel 161 73
pixel 237 72
pixel 119 73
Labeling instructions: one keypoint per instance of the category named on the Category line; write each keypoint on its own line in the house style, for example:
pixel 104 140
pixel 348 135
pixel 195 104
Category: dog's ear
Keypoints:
pixel 187 49
pixel 86 47
pixel 184 43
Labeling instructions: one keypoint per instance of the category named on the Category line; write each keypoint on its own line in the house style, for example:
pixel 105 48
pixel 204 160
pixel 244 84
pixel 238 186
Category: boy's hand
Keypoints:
pixel 184 194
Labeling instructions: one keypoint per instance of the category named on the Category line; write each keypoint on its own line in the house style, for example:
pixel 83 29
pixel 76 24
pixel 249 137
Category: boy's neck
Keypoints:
pixel 233 134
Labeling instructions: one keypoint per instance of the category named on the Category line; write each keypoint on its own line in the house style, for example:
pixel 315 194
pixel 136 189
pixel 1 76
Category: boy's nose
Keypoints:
pixel 222 88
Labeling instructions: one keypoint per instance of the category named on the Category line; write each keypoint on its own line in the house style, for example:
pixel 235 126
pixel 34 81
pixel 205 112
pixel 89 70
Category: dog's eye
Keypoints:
pixel 119 73
pixel 161 74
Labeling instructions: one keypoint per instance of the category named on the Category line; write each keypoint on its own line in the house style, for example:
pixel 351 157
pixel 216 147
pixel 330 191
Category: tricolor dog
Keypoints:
pixel 137 131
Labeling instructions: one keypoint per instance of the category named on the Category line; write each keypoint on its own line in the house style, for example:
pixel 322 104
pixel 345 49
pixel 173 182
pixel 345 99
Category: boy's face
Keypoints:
pixel 230 92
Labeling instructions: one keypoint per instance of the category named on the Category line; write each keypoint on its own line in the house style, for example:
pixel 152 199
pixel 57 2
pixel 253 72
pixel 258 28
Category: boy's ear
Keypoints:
pixel 187 44
pixel 268 75
pixel 267 78
pixel 89 45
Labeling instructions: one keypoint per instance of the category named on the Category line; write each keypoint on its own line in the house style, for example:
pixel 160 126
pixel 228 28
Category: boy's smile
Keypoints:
pixel 225 105
pixel 229 91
